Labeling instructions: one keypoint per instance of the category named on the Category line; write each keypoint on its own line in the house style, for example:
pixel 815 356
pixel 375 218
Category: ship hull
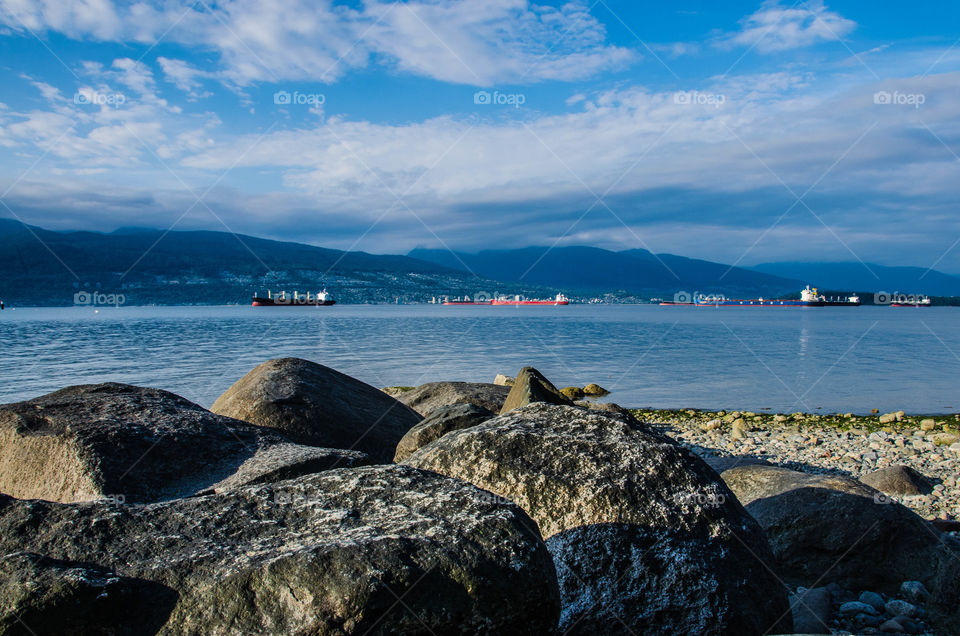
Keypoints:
pixel 290 302
pixel 460 302
pixel 530 302
pixel 765 303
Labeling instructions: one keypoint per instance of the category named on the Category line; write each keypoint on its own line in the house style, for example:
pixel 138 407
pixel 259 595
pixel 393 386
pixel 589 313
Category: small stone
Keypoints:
pixel 595 389
pixel 857 607
pixel 927 424
pixel 897 607
pixel 738 429
pixel 873 599
pixel 503 380
pixel 868 620
pixel 572 392
pixel 712 425
pixel 874 411
pixel 914 591
pixel 887 418
pixel 891 627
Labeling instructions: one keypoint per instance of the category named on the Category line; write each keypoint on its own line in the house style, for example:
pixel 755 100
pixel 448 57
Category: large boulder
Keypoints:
pixel 372 550
pixel 645 537
pixel 316 405
pixel 124 442
pixel 898 480
pixel 39 595
pixel 439 423
pixel 532 386
pixel 286 461
pixel 427 398
pixel 833 529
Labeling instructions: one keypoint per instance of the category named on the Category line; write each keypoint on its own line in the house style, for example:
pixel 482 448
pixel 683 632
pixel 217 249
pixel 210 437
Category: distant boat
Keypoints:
pixel 463 300
pixel 560 299
pixel 911 301
pixel 808 298
pixel 320 299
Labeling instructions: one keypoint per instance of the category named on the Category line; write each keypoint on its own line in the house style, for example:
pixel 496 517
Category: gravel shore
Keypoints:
pixel 843 444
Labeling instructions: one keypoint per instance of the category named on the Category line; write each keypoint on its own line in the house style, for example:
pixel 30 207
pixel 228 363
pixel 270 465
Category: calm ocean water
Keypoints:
pixel 831 359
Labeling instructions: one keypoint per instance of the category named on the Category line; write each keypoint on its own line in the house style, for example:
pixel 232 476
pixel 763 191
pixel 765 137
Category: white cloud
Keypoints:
pixel 460 41
pixel 494 41
pixel 775 27
pixel 185 77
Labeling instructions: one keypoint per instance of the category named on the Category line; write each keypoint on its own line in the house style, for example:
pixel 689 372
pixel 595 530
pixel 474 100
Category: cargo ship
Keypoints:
pixel 320 299
pixel 560 299
pixel 808 298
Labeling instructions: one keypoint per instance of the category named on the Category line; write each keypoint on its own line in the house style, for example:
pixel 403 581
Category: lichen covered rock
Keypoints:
pixel 642 533
pixel 439 423
pixel 325 554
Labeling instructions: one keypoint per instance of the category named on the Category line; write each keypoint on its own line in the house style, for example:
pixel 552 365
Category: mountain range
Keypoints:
pixel 149 266
pixel 639 271
pixel 868 277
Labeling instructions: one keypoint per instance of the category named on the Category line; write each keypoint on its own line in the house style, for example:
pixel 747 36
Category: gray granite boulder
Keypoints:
pixel 40 596
pixel 123 442
pixel 644 536
pixel 427 398
pixel 439 423
pixel 286 461
pixel 529 387
pixel 329 553
pixel 898 480
pixel 319 406
pixel 833 529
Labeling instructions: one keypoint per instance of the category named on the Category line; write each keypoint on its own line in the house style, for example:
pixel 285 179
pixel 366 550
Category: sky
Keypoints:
pixel 742 132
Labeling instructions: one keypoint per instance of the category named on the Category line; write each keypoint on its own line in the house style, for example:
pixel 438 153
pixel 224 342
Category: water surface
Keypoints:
pixel 828 359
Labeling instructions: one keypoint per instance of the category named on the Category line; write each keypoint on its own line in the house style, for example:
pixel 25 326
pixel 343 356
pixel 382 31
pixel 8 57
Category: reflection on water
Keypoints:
pixel 839 359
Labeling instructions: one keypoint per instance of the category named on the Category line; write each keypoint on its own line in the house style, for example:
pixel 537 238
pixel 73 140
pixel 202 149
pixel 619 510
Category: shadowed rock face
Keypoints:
pixel 427 398
pixel 439 423
pixel 898 480
pixel 529 387
pixel 286 461
pixel 316 405
pixel 326 554
pixel 836 529
pixel 641 531
pixel 117 440
pixel 39 595
pixel 758 481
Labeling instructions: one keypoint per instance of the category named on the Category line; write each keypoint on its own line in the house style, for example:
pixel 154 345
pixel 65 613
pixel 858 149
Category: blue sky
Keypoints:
pixel 744 132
